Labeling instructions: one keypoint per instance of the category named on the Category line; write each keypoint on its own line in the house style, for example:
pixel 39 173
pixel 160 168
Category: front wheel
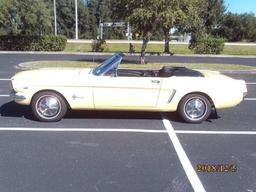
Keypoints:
pixel 194 108
pixel 48 106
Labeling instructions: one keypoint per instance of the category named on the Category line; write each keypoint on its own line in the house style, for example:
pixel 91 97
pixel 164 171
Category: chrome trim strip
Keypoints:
pixel 171 97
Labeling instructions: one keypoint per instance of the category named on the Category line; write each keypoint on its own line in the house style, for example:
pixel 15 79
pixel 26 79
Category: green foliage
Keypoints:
pixel 203 18
pixel 249 26
pixel 8 18
pixel 35 17
pixel 52 43
pixel 66 18
pixel 209 45
pixel 152 19
pixel 213 15
pixel 148 16
pixel 99 45
pixel 33 43
pixel 27 17
pixel 237 27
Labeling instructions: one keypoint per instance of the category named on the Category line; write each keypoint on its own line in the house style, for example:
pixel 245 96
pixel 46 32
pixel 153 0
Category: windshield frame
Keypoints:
pixel 111 64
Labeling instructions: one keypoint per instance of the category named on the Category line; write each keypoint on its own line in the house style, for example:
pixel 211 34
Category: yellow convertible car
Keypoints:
pixel 193 94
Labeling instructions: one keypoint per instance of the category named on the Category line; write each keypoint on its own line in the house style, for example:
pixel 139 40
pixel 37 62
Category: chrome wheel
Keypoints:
pixel 195 108
pixel 48 106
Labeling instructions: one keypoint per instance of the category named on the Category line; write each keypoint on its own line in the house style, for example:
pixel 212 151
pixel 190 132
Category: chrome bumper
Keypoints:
pixel 15 96
pixel 244 94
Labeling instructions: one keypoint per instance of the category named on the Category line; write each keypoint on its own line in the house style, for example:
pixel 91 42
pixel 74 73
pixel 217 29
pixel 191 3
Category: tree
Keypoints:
pixel 83 20
pixel 28 17
pixel 170 14
pixel 142 15
pixel 148 16
pixel 100 11
pixel 143 18
pixel 213 15
pixel 194 22
pixel 248 21
pixel 8 18
pixel 35 17
pixel 203 19
pixel 93 21
pixel 231 27
pixel 237 27
pixel 66 17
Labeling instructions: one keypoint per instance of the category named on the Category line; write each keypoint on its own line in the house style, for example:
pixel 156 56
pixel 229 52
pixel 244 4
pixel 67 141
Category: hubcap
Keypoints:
pixel 195 108
pixel 48 107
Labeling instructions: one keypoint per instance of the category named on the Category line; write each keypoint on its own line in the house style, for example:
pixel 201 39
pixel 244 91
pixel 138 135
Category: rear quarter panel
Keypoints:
pixel 224 91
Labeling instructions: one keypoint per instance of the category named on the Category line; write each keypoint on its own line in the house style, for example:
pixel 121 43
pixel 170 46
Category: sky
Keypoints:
pixel 241 6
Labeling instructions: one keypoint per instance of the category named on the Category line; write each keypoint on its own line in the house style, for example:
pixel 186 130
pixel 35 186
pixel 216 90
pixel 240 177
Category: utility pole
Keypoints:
pixel 55 18
pixel 76 20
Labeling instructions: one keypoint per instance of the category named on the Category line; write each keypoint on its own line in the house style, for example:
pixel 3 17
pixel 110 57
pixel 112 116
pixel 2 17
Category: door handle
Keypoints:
pixel 155 81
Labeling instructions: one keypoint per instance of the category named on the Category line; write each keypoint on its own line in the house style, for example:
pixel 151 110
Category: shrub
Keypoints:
pixel 209 45
pixel 33 43
pixel 53 43
pixel 99 45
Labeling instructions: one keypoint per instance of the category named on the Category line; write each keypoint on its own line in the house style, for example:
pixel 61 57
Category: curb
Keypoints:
pixel 127 54
pixel 252 72
pixel 153 42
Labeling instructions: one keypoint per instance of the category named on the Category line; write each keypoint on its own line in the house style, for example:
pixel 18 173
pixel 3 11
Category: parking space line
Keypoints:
pixel 4 95
pixel 186 164
pixel 216 132
pixel 251 83
pixel 81 130
pixel 32 129
pixel 250 99
pixel 5 79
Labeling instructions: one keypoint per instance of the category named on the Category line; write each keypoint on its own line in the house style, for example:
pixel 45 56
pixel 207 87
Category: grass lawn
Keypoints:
pixel 124 47
pixel 239 50
pixel 82 64
pixel 158 48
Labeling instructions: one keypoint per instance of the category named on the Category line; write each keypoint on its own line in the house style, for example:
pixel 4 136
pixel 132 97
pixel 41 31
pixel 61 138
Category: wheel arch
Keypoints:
pixel 199 93
pixel 54 91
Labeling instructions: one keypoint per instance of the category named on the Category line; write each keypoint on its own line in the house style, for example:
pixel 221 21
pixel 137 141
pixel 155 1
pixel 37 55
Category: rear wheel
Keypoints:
pixel 48 106
pixel 194 108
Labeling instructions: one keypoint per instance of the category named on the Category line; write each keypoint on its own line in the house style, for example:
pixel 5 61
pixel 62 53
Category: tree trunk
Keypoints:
pixel 143 48
pixel 166 41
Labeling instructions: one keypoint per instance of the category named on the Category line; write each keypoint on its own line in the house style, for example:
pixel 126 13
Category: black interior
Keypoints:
pixel 163 72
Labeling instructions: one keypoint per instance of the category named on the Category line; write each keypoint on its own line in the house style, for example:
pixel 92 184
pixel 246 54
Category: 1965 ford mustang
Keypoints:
pixel 193 94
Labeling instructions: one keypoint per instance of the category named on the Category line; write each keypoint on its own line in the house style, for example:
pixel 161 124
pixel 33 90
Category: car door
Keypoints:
pixel 126 92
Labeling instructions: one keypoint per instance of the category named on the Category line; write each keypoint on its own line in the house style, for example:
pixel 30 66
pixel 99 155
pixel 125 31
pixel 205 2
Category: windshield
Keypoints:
pixel 108 65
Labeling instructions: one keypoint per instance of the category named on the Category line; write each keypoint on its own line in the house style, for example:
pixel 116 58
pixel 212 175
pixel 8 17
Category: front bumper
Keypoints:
pixel 16 96
pixel 244 94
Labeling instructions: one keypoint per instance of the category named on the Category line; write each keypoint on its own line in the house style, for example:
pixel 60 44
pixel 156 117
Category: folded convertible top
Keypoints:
pixel 179 71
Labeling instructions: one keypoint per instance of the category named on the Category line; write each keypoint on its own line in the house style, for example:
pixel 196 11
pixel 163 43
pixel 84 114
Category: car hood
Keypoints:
pixel 48 76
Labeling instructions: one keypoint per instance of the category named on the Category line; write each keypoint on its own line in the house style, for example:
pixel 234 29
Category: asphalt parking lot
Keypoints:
pixel 127 151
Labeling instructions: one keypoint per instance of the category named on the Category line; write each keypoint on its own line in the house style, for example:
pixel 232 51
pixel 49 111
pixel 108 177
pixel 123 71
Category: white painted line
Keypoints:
pixel 190 172
pixel 126 130
pixel 4 95
pixel 251 83
pixel 250 99
pixel 5 79
pixel 34 129
pixel 81 130
pixel 216 132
